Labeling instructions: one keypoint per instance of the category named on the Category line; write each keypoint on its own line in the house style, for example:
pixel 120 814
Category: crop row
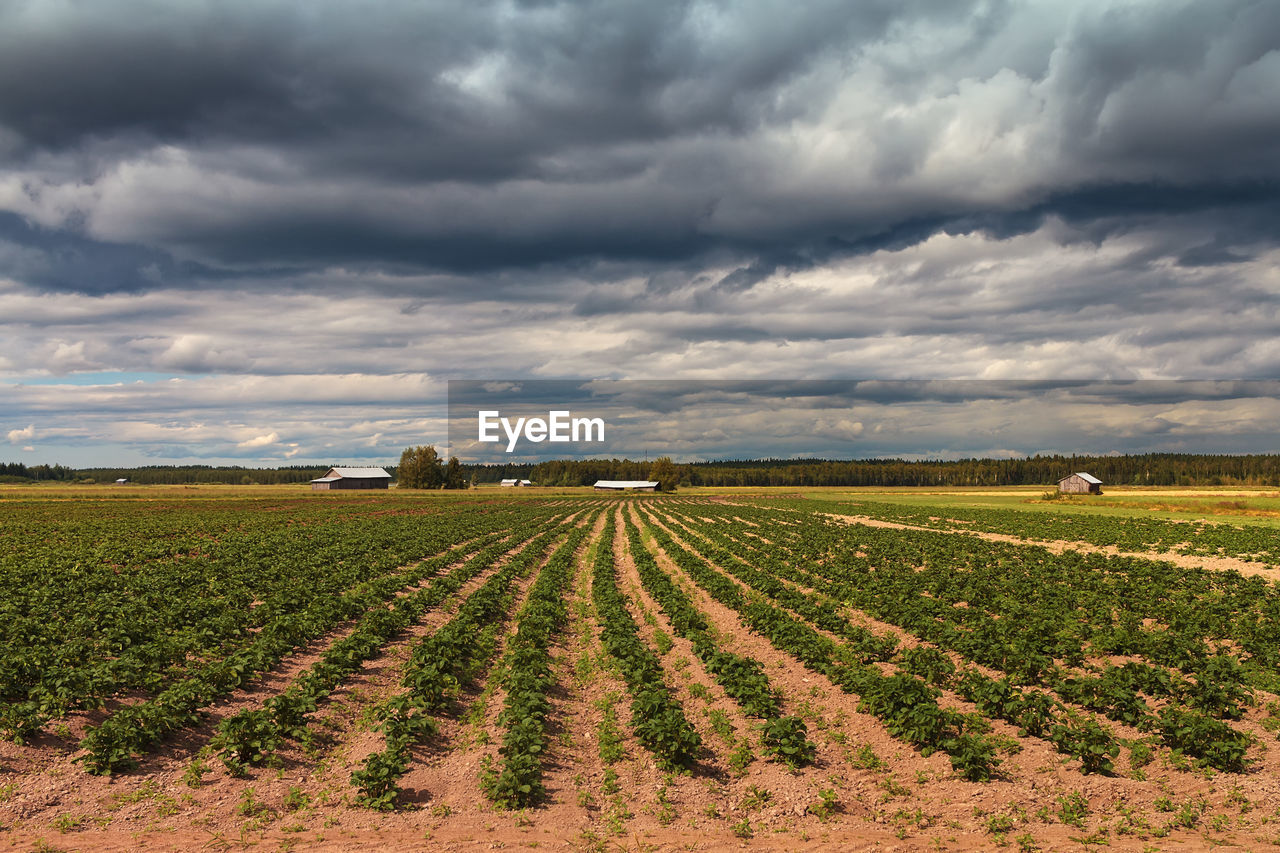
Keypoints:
pixel 87 619
pixel 437 667
pixel 743 679
pixel 906 705
pixel 1035 713
pixel 1217 685
pixel 250 736
pixel 1039 605
pixel 526 680
pixel 658 721
pixel 115 743
pixel 1114 693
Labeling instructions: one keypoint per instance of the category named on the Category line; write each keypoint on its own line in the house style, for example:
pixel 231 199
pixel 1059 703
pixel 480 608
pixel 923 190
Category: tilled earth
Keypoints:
pixel 865 790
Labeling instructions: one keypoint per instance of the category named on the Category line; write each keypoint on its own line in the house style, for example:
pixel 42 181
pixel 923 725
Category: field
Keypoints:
pixel 218 668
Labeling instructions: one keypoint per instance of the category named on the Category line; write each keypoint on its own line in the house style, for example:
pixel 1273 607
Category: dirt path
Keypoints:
pixel 1059 546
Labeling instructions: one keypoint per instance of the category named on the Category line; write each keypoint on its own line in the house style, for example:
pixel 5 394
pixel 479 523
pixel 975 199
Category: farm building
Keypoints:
pixel 122 481
pixel 352 478
pixel 1080 483
pixel 623 485
pixel 514 483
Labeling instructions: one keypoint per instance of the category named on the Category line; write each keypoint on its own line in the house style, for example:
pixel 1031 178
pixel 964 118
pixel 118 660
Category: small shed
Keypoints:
pixel 1080 483
pixel 514 483
pixel 122 481
pixel 626 485
pixel 352 478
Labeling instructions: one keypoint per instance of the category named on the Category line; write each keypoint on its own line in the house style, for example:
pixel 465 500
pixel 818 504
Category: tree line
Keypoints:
pixel 163 474
pixel 422 467
pixel 1150 469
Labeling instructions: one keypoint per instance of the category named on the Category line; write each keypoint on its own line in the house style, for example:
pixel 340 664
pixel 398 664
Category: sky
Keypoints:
pixel 693 420
pixel 270 233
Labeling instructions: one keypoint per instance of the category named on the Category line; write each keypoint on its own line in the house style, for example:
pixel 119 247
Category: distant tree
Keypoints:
pixel 420 468
pixel 431 466
pixel 666 472
pixel 407 476
pixel 453 475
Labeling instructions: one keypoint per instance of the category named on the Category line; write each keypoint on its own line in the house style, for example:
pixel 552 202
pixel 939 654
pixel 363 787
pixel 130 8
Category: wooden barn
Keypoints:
pixel 352 478
pixel 626 485
pixel 1080 483
pixel 514 483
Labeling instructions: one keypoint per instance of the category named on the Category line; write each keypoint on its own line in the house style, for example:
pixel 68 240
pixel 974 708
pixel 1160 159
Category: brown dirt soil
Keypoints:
pixel 422 785
pixel 889 797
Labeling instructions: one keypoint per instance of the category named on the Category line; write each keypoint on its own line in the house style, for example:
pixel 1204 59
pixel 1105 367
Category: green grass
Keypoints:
pixel 1234 504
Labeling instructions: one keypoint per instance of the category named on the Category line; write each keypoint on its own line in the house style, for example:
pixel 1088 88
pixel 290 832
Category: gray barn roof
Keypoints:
pixel 1088 478
pixel 626 484
pixel 359 472
pixel 351 474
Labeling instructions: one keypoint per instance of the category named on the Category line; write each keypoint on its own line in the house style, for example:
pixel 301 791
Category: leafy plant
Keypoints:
pixel 785 739
pixel 246 739
pixel 1083 738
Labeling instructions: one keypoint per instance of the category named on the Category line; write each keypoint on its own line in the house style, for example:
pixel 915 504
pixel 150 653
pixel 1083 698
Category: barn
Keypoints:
pixel 514 483
pixel 624 485
pixel 1080 483
pixel 352 478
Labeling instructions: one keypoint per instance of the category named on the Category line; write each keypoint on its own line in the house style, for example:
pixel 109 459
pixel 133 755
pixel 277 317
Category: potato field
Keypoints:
pixel 569 671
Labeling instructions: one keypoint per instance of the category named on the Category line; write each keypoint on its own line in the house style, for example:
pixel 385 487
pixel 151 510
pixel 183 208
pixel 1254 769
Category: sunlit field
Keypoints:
pixel 808 668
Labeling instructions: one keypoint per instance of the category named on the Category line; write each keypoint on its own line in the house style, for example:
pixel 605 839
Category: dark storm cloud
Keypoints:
pixel 383 87
pixel 1185 86
pixel 469 137
pixel 64 260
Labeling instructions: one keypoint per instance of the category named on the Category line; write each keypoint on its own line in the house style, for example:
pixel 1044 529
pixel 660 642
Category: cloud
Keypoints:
pixel 943 419
pixel 68 357
pixel 258 441
pixel 17 435
pixel 198 353
pixel 841 428
pixel 648 132
pixel 331 211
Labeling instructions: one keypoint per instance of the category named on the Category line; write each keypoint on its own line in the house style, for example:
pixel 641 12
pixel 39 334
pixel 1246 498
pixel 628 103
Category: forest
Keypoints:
pixel 1160 469
pixel 1153 469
